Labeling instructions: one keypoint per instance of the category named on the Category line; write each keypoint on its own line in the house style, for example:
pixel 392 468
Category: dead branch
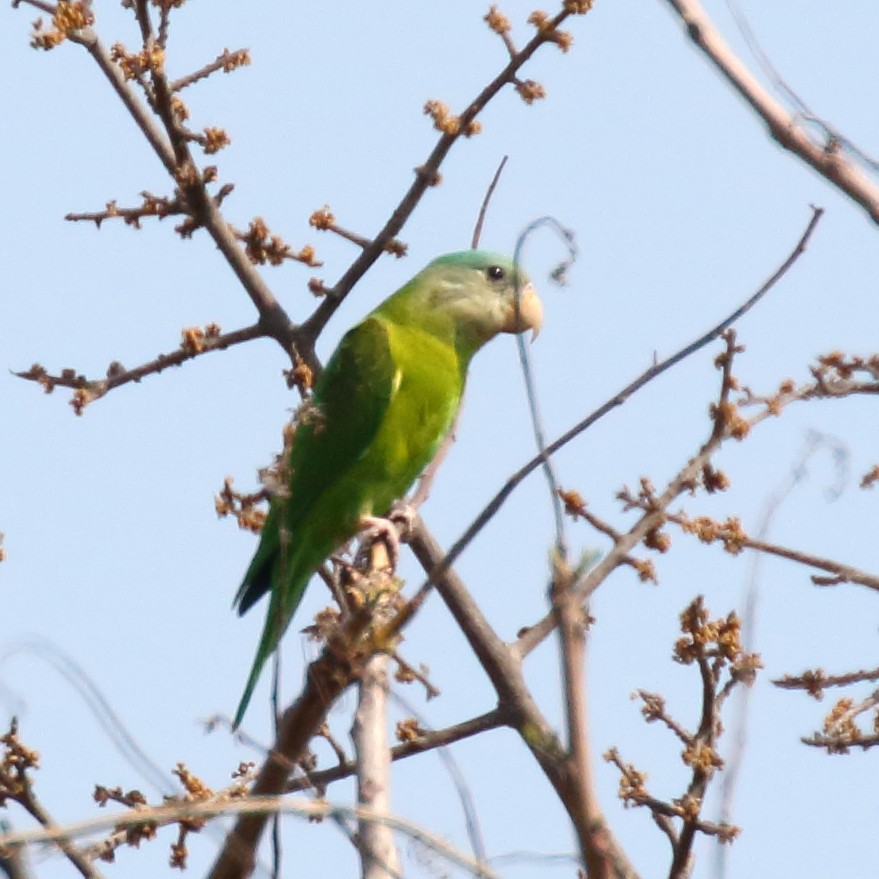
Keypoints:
pixel 783 126
pixel 375 842
pixel 483 209
pixel 254 806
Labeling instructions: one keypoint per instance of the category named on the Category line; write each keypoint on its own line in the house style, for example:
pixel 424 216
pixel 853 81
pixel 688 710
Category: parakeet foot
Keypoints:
pixel 403 514
pixel 378 528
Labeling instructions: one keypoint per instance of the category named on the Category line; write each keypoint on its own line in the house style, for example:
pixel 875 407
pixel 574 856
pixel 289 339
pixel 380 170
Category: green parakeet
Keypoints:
pixel 382 406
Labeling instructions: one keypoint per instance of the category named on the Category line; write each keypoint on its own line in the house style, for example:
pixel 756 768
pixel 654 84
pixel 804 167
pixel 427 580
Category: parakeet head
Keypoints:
pixel 472 296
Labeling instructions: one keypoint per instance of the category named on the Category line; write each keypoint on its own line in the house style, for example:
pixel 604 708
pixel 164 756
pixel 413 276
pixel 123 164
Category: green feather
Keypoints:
pixel 381 408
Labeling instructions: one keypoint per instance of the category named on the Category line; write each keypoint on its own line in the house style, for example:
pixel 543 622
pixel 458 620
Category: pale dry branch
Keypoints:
pixel 784 126
pixel 254 806
pixel 375 842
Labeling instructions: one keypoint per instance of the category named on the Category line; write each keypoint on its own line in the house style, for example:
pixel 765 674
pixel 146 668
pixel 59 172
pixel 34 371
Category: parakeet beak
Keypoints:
pixel 527 316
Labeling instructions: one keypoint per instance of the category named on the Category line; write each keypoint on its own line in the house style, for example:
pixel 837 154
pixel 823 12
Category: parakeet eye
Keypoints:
pixel 495 273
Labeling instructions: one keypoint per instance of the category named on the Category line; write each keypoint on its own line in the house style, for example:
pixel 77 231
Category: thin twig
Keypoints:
pixel 196 343
pixel 225 61
pixel 840 573
pixel 528 371
pixel 814 682
pixel 480 220
pixel 427 741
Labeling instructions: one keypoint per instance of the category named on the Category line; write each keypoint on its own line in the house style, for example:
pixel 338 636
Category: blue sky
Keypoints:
pixel 681 204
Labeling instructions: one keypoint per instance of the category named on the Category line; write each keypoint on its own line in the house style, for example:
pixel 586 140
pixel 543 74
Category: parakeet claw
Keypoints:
pixel 403 514
pixel 378 528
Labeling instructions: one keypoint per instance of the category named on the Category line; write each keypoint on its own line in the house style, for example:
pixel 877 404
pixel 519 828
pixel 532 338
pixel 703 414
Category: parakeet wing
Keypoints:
pixel 350 401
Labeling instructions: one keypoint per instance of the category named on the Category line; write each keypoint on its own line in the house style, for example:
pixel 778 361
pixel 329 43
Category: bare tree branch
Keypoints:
pixel 427 173
pixel 572 623
pixel 254 806
pixel 480 220
pixel 17 761
pixel 503 667
pixel 425 741
pixel 784 126
pixel 379 856
pixel 195 343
